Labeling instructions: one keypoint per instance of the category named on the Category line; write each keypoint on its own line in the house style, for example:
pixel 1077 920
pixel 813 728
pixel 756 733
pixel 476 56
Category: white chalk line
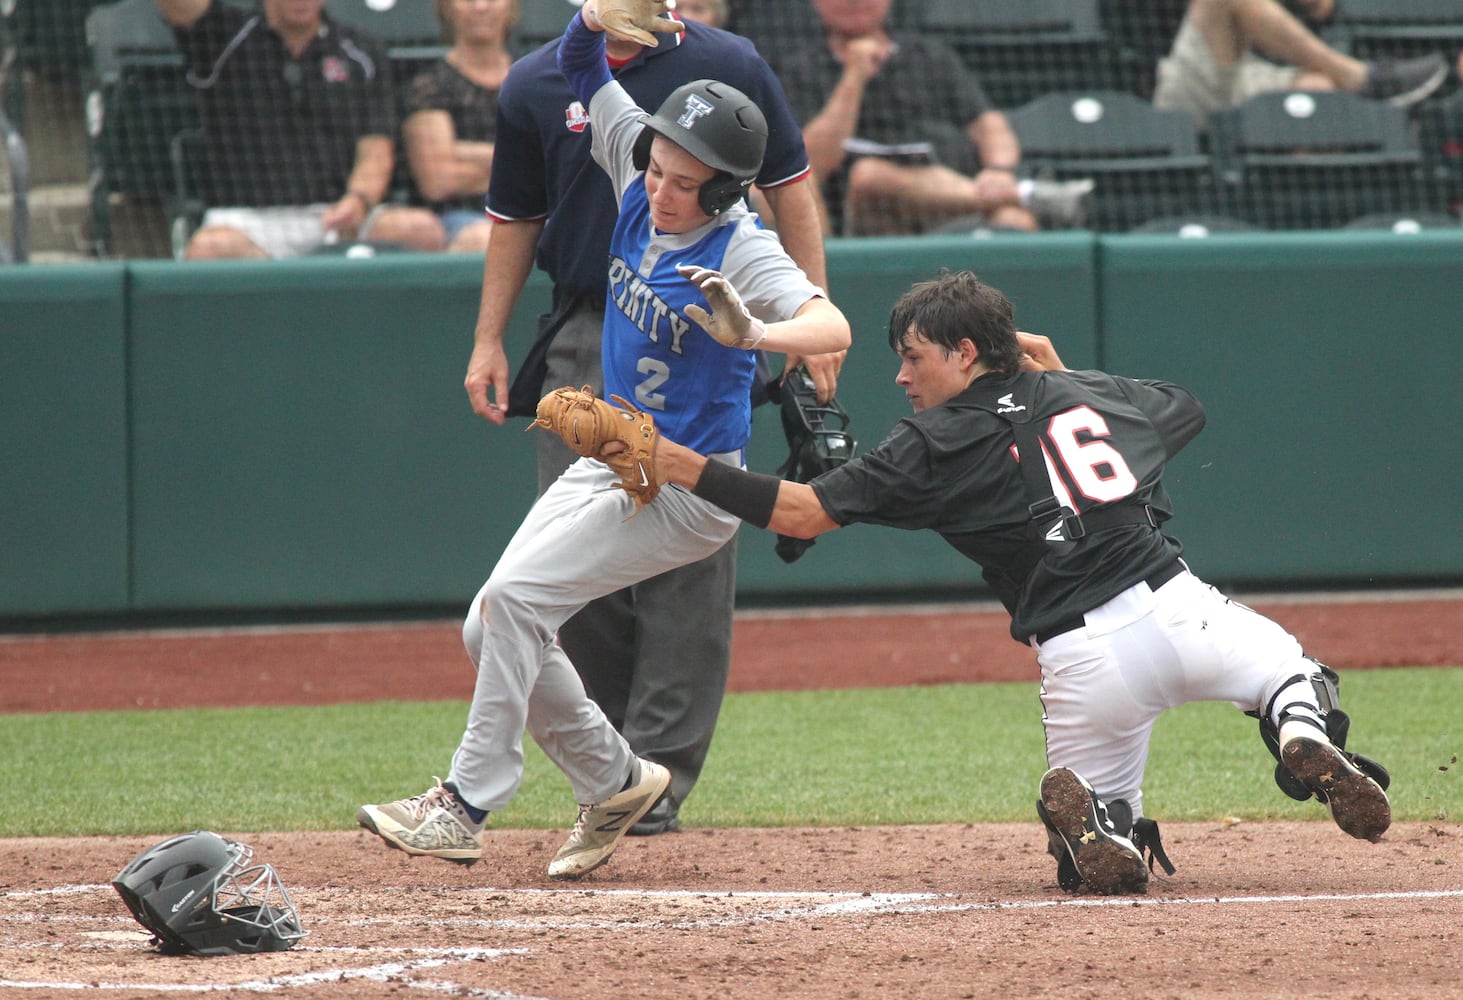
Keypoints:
pixel 825 905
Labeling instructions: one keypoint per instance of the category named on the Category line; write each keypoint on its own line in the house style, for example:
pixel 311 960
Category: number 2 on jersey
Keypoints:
pixel 656 372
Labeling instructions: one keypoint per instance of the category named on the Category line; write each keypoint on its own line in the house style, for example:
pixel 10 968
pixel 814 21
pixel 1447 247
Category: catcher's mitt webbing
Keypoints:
pixel 586 424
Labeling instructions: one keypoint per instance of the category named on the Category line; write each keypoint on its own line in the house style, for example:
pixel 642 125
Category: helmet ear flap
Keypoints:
pixel 640 152
pixel 720 193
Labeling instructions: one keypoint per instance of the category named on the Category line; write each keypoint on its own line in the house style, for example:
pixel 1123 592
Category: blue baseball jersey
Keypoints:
pixel 541 163
pixel 698 390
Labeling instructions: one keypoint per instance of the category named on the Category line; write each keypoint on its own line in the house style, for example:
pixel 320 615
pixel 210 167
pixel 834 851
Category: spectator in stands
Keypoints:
pixel 712 12
pixel 1227 51
pixel 772 25
pixel 902 133
pixel 298 118
pixel 451 118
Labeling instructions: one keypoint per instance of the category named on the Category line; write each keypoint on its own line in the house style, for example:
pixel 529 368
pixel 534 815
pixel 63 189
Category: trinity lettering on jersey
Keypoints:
pixel 641 306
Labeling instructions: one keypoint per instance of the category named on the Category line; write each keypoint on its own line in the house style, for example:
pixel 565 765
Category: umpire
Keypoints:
pixel 655 657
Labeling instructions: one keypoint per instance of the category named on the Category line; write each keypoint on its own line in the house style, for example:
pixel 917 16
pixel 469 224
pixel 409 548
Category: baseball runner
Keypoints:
pixel 696 284
pixel 654 657
pixel 1051 480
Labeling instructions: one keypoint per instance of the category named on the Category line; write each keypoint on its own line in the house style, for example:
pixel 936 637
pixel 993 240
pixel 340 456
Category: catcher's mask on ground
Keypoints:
pixel 720 126
pixel 198 894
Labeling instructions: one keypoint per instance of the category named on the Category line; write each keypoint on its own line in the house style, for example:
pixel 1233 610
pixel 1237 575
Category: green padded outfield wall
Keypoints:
pixel 1330 366
pixel 63 436
pixel 301 437
pixel 257 437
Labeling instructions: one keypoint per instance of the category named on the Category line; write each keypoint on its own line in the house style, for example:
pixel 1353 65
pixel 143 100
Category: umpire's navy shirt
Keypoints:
pixel 541 163
pixel 280 130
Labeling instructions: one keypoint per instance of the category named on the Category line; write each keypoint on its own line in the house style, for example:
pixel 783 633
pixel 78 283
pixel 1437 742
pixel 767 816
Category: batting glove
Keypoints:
pixel 633 20
pixel 729 322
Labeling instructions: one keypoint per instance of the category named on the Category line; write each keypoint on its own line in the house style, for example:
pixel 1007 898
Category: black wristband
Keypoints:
pixel 751 496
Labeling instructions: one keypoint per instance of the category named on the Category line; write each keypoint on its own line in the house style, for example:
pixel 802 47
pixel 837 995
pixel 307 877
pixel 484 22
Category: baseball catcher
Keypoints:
pixel 1052 481
pixel 586 424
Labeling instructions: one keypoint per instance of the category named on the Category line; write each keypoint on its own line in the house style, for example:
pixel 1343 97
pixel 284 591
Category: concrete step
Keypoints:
pixel 58 218
pixel 60 223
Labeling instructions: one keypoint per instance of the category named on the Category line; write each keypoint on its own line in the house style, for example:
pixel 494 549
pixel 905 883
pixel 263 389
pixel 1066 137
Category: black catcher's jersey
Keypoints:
pixel 953 469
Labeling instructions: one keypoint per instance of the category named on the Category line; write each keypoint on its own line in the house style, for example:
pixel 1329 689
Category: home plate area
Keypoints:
pixel 921 911
pixel 86 921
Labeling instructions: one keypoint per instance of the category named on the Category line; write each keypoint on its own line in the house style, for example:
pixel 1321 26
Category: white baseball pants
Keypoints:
pixel 1104 686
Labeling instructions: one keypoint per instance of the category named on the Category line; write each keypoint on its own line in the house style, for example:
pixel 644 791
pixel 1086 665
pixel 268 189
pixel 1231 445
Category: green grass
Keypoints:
pixel 968 753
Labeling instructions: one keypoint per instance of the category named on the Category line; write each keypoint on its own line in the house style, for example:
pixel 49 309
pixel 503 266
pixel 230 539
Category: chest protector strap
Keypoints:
pixel 1053 524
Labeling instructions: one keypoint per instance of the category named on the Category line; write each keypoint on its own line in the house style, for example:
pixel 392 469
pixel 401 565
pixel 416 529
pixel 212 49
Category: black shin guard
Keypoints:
pixel 1327 685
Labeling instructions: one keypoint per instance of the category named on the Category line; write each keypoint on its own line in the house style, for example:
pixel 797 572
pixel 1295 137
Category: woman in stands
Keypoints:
pixel 450 116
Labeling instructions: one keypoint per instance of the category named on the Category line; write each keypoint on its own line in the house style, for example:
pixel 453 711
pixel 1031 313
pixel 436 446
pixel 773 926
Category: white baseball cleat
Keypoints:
pixel 600 828
pixel 433 824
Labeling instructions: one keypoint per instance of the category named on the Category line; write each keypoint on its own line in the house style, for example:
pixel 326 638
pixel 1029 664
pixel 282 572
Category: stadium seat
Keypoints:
pixel 49 35
pixel 1404 222
pixel 1193 226
pixel 1146 162
pixel 1140 34
pixel 1305 160
pixel 1370 29
pixel 409 29
pixel 1440 132
pixel 539 21
pixel 1021 49
pixel 136 101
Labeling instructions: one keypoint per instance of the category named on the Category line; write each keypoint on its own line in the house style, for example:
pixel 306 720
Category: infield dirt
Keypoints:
pixel 1256 909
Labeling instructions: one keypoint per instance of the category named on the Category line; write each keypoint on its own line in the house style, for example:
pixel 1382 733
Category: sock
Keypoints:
pixel 1303 724
pixel 634 775
pixel 473 812
pixel 1296 713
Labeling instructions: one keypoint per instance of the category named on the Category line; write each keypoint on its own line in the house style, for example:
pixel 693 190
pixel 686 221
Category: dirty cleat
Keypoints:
pixel 434 824
pixel 1075 817
pixel 599 828
pixel 1357 803
pixel 1404 82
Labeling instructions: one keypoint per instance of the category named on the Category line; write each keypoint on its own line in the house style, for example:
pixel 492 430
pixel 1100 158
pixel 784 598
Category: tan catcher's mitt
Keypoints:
pixel 587 424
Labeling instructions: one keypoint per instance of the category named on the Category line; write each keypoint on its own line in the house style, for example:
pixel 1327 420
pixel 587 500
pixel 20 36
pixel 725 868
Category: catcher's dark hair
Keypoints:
pixel 956 306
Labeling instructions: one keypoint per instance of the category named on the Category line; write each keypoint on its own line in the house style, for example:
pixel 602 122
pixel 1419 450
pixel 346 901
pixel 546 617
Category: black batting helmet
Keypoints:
pixel 720 126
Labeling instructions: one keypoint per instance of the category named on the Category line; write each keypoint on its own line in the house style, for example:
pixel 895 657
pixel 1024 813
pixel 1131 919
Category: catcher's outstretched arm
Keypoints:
pixel 781 506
